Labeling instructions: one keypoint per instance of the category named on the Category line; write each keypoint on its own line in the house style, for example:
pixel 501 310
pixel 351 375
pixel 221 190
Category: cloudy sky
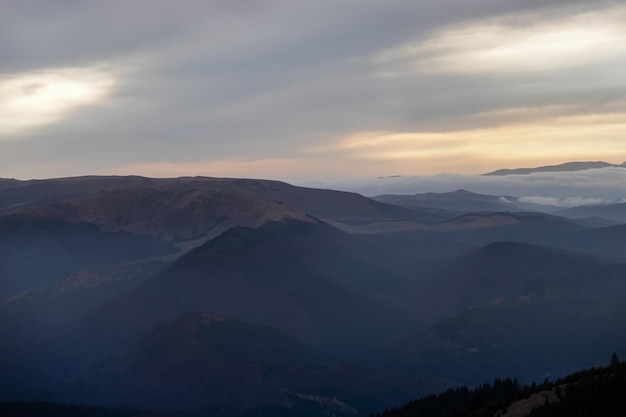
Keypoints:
pixel 301 90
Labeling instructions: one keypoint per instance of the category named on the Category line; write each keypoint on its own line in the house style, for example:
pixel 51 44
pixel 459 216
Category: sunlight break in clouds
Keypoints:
pixel 38 98
pixel 514 43
pixel 557 138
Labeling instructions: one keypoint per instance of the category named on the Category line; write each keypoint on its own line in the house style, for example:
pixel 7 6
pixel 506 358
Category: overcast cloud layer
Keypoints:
pixel 301 90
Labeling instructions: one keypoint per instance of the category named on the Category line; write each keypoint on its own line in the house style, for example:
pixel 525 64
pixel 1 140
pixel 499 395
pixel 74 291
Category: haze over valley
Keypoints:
pixel 246 295
pixel 248 208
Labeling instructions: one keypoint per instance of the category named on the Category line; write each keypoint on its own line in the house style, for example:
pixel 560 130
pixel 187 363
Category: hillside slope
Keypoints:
pixel 587 393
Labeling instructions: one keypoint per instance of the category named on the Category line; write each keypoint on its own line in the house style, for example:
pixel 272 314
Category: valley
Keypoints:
pixel 248 297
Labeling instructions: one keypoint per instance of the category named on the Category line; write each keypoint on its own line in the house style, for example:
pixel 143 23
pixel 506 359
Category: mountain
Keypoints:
pixel 336 294
pixel 565 167
pixel 20 194
pixel 325 204
pixel 229 357
pixel 200 360
pixel 461 201
pixel 69 225
pixel 166 213
pixel 508 309
pixel 615 212
pixel 333 291
pixel 36 250
pixel 595 222
pixel 479 229
pixel 190 208
pixel 504 271
pixel 338 206
pixel 608 243
pixel 255 297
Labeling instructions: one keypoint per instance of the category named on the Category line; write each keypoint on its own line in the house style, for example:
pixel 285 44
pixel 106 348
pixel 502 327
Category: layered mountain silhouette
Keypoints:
pixel 459 201
pixel 615 212
pixel 41 249
pixel 255 297
pixel 565 167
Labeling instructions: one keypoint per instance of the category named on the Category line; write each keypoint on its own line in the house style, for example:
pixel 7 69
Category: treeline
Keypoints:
pixel 595 392
pixel 484 400
pixel 589 393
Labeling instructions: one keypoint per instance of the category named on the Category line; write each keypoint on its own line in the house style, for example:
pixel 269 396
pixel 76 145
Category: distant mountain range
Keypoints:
pixel 462 201
pixel 615 212
pixel 236 297
pixel 565 167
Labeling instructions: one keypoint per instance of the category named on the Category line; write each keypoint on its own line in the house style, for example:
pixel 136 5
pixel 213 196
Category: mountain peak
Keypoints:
pixel 461 191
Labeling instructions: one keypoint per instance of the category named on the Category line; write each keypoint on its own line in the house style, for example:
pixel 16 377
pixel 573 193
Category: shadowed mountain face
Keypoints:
pixel 250 296
pixel 237 365
pixel 480 229
pixel 338 294
pixel 39 250
pixel 525 310
pixel 229 357
pixel 307 279
pixel 508 271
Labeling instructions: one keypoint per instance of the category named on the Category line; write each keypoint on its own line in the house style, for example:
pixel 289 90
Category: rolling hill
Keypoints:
pixel 615 212
pixel 517 309
pixel 251 297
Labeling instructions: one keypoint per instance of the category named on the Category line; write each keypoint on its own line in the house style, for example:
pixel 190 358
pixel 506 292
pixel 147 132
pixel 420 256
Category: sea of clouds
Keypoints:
pixel 564 189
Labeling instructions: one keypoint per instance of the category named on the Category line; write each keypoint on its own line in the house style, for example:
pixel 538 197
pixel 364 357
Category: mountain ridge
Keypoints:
pixel 118 273
pixel 564 167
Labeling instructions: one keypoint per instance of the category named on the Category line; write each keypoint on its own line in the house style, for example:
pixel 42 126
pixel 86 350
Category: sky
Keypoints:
pixel 305 90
